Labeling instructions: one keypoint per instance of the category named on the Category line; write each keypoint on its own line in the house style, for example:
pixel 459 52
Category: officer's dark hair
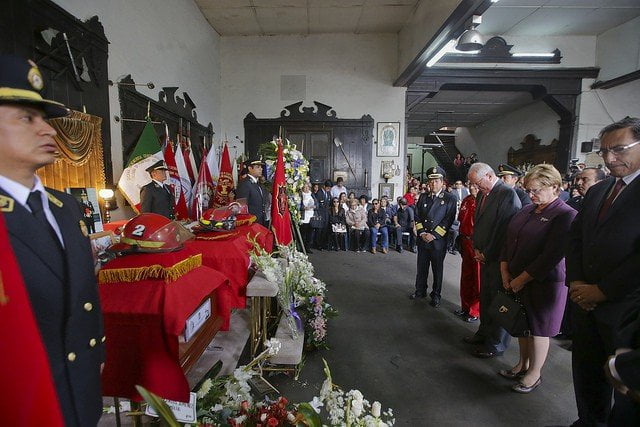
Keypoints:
pixel 633 123
pixel 600 175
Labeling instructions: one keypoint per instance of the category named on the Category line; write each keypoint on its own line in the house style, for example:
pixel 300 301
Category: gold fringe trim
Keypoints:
pixel 216 237
pixel 155 271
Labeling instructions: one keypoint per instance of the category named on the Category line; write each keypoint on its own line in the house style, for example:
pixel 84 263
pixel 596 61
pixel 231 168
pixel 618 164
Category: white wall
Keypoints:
pixel 167 42
pixel 351 73
pixel 492 139
pixel 618 50
pixel 617 54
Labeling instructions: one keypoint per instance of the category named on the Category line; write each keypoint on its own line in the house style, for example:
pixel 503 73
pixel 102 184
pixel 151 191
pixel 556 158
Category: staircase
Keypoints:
pixel 445 153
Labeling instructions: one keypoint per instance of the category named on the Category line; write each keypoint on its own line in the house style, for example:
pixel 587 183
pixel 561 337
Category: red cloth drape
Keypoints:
pixel 29 396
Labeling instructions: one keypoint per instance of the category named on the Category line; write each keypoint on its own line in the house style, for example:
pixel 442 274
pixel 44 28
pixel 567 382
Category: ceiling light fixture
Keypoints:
pixel 471 39
pixel 534 55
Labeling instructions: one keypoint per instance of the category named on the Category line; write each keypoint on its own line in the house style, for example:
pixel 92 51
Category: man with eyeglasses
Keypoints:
pixel 603 271
pixel 496 204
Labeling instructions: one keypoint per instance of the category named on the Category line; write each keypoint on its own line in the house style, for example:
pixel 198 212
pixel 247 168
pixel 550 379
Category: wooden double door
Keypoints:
pixel 317 147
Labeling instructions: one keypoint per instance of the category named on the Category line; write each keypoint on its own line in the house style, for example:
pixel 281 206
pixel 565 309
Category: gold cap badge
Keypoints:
pixel 34 76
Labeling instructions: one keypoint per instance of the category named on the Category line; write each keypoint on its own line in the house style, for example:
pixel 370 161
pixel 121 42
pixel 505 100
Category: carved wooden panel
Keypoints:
pixel 356 136
pixel 169 108
pixel 75 70
pixel 532 152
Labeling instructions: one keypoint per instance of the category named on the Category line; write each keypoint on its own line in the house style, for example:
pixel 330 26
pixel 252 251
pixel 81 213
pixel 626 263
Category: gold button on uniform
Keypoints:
pixel 92 342
pixel 71 357
pixel 88 306
pixel 103 339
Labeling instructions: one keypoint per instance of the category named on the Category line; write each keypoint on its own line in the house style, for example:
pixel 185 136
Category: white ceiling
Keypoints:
pixel 556 17
pixel 271 17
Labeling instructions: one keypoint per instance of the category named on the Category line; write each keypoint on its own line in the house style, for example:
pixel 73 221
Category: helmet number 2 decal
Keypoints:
pixel 139 230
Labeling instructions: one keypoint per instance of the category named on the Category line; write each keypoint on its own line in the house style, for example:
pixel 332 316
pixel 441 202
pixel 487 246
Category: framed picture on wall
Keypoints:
pixel 388 134
pixel 99 243
pixel 386 189
pixel 88 200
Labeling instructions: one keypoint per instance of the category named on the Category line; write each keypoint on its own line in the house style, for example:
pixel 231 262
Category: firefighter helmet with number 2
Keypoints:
pixel 149 232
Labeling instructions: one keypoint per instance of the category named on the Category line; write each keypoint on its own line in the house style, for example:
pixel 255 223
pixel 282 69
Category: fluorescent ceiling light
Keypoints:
pixel 495 1
pixel 536 55
pixel 467 52
pixel 449 47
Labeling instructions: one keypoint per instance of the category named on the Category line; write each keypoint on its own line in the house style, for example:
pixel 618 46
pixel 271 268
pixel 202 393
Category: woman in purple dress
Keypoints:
pixel 532 265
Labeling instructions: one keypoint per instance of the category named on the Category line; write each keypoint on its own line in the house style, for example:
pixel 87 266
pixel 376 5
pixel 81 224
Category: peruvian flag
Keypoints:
pixel 30 397
pixel 225 180
pixel 190 161
pixel 183 173
pixel 280 216
pixel 182 212
pixel 202 191
pixel 213 164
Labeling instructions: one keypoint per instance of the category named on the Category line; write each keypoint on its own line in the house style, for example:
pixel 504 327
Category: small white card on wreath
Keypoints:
pixel 184 412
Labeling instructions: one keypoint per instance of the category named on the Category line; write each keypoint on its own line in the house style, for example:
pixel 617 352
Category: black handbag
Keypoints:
pixel 317 221
pixel 507 311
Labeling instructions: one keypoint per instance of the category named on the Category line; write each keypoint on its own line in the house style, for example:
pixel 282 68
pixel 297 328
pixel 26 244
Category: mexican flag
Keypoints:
pixel 146 152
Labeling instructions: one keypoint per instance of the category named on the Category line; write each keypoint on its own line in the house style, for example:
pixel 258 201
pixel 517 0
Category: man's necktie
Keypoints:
pixel 35 204
pixel 483 202
pixel 607 203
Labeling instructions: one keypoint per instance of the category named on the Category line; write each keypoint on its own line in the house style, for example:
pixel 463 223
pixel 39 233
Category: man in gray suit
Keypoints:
pixel 497 203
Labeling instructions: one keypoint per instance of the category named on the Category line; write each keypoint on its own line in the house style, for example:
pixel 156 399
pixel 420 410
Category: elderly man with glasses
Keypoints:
pixel 603 270
pixel 496 204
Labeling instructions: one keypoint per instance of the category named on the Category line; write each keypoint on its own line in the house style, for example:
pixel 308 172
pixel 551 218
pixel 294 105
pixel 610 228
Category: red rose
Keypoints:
pixel 272 422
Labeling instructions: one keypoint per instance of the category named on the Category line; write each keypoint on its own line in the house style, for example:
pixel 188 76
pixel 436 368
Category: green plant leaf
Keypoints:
pixel 311 417
pixel 156 402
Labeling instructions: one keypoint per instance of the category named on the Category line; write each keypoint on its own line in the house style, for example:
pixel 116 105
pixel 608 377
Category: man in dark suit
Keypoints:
pixel 252 191
pixel 603 267
pixel 435 212
pixel 496 204
pixel 510 176
pixel 49 239
pixel 585 179
pixel 157 197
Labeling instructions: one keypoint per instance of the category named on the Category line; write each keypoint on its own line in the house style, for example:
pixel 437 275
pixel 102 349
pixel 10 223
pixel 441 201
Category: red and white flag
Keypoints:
pixel 202 191
pixel 225 180
pixel 183 173
pixel 214 164
pixel 182 212
pixel 280 215
pixel 189 159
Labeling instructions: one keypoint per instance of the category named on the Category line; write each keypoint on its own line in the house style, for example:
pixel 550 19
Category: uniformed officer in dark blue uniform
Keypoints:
pixel 510 176
pixel 48 236
pixel 435 212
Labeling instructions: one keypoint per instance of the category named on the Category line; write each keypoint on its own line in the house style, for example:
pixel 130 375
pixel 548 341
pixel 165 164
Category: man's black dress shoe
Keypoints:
pixel 460 313
pixel 484 354
pixel 473 339
pixel 435 303
pixel 470 319
pixel 416 296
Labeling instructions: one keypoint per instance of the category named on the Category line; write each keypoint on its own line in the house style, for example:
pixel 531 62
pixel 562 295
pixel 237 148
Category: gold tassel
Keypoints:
pixel 156 271
pixel 217 237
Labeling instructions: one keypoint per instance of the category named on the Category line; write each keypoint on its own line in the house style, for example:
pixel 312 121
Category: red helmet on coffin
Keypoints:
pixel 149 232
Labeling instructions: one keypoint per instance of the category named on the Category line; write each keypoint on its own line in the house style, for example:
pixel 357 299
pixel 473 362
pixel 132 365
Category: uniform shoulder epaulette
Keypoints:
pixel 6 204
pixel 53 199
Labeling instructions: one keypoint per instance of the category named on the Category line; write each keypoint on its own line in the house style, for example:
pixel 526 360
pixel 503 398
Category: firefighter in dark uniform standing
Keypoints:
pixel 157 197
pixel 435 212
pixel 49 239
pixel 510 176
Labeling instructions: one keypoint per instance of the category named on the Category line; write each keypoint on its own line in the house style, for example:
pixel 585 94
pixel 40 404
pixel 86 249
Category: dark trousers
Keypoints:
pixel 496 339
pixel 339 241
pixel 307 235
pixel 359 239
pixel 592 345
pixel 320 237
pixel 430 254
pixel 398 234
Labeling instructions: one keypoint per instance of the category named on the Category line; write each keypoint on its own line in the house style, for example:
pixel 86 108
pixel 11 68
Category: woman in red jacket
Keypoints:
pixel 470 272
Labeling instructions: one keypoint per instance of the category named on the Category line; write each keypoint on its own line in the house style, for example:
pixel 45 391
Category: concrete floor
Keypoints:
pixel 410 356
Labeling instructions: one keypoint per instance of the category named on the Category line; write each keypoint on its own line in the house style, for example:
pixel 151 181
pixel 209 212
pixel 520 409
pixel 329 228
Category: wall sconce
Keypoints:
pixel 389 169
pixel 110 203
